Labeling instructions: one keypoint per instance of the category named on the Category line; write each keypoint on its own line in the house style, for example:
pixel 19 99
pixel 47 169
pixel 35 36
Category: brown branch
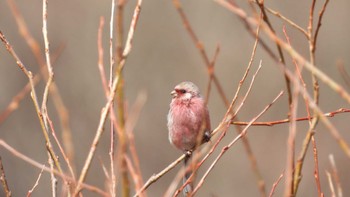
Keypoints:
pixel 4 180
pixel 319 23
pixel 157 176
pixel 287 120
pixel 316 170
pixel 287 20
pixel 112 184
pixel 298 72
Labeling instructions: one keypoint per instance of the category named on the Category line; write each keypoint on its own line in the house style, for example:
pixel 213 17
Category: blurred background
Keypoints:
pixel 163 55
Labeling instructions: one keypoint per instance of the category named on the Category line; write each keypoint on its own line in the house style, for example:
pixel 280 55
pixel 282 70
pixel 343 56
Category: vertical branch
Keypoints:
pixel 291 143
pixel 105 110
pixel 316 171
pixel 44 113
pixel 53 178
pixel 4 180
pixel 112 136
pixel 312 49
pixel 122 146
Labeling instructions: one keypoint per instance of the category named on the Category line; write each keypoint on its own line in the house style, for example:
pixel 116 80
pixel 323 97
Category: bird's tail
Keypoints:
pixel 189 187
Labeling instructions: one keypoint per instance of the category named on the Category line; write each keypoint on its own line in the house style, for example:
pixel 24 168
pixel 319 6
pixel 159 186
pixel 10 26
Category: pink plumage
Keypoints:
pixel 188 121
pixel 188 117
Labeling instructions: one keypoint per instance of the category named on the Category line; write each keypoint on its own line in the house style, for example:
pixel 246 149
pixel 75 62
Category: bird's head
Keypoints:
pixel 185 91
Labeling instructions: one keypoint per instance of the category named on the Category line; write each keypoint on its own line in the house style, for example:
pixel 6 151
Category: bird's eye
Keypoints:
pixel 182 91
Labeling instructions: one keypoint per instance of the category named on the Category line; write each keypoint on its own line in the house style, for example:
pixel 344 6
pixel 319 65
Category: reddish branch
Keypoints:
pixel 287 120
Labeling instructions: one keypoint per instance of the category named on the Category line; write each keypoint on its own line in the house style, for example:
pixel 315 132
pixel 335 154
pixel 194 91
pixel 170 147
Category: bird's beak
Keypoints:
pixel 173 93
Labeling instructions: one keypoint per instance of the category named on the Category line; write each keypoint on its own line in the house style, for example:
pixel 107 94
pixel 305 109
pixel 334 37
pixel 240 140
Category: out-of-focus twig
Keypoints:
pixel 345 75
pixel 331 185
pixel 129 127
pixel 335 175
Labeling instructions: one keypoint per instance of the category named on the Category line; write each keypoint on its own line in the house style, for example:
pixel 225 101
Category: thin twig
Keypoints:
pixel 287 20
pixel 316 170
pixel 319 23
pixel 287 120
pixel 66 159
pixel 100 56
pixel 36 182
pixel 52 177
pixel 275 185
pixel 111 69
pixel 298 72
pixel 157 176
pixel 4 180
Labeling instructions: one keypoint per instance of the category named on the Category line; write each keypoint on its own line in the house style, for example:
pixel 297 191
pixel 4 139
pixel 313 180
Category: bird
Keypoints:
pixel 188 122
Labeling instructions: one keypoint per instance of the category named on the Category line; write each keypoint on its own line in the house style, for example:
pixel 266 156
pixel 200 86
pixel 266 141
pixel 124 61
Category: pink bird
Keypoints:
pixel 188 121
